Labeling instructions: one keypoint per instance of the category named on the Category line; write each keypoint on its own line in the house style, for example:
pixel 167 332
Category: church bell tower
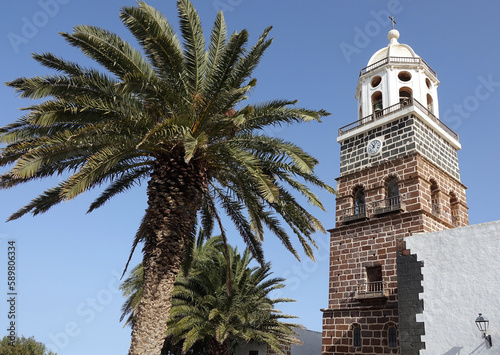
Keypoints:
pixel 399 176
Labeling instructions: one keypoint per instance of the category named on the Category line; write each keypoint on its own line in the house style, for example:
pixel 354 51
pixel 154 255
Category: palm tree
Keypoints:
pixel 208 315
pixel 172 117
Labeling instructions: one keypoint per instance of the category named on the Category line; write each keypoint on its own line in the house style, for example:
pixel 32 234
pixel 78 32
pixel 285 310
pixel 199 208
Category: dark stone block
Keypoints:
pixel 409 305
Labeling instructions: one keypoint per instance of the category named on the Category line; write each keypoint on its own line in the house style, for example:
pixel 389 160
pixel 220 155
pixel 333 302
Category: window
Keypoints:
pixel 374 274
pixel 375 81
pixel 372 287
pixel 404 76
pixel 393 192
pixel 356 336
pixel 357 210
pixel 435 197
pixel 454 209
pixel 392 337
pixel 359 201
pixel 428 83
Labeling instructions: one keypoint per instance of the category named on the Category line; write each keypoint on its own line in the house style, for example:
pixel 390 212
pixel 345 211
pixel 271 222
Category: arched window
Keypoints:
pixel 356 335
pixel 392 192
pixel 392 337
pixel 405 94
pixel 430 103
pixel 377 102
pixel 435 197
pixel 455 217
pixel 359 201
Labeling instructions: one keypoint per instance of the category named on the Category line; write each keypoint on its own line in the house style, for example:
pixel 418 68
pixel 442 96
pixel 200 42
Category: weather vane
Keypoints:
pixel 393 21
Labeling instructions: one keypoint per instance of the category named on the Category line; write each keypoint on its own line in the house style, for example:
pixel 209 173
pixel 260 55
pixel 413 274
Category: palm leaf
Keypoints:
pixel 109 50
pixel 194 45
pixel 156 35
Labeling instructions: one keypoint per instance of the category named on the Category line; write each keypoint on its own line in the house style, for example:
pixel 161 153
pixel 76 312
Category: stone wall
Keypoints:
pixel 400 137
pixel 415 174
pixel 374 322
pixel 436 149
pixel 410 304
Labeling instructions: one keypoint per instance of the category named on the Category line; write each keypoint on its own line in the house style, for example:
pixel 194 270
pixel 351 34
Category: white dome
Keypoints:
pixel 394 49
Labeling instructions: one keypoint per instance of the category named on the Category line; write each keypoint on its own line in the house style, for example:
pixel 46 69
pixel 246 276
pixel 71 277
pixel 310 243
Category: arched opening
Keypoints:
pixel 357 210
pixel 359 201
pixel 377 103
pixel 435 197
pixel 405 95
pixel 430 103
pixel 392 337
pixel 356 335
pixel 455 217
pixel 392 192
pixel 392 200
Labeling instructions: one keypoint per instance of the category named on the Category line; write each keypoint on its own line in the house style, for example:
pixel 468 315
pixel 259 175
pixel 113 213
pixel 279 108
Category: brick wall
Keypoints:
pixel 432 198
pixel 338 331
pixel 378 241
pixel 415 173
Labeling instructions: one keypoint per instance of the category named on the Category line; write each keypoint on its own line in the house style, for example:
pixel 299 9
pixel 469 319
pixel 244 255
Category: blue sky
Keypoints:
pixel 69 262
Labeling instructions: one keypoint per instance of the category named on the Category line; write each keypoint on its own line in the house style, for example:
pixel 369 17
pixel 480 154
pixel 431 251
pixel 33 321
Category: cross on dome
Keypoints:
pixel 393 21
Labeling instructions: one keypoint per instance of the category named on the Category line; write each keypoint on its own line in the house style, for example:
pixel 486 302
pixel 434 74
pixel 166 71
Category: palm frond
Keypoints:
pixel 194 45
pixel 246 66
pixel 126 181
pixel 96 166
pixel 41 204
pixel 217 43
pixel 109 50
pixel 158 38
pixel 49 60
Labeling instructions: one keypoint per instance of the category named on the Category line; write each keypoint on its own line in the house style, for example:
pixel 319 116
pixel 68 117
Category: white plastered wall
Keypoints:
pixel 461 278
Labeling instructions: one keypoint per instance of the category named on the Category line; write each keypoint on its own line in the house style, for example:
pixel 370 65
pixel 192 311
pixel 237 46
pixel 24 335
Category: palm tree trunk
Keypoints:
pixel 216 348
pixel 175 193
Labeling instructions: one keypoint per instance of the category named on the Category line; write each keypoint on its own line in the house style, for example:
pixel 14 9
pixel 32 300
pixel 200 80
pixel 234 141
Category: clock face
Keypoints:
pixel 374 146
